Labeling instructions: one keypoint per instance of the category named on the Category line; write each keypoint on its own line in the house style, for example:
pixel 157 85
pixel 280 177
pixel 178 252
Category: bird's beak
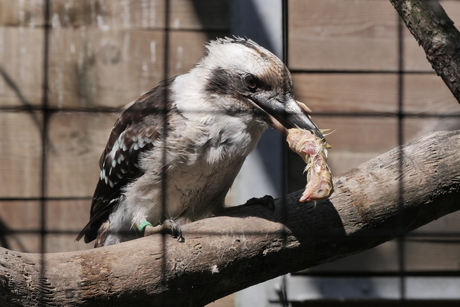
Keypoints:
pixel 286 115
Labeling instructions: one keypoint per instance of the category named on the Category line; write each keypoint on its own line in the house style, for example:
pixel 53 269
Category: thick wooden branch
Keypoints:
pixel 382 199
pixel 436 33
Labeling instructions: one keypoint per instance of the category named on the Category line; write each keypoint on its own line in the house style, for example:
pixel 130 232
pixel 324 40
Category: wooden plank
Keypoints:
pixel 21 225
pixel 431 256
pixel 77 140
pixel 347 92
pixel 27 243
pixel 201 14
pixel 383 258
pixel 112 68
pixel 68 217
pixel 21 67
pixel 415 127
pixel 103 68
pixel 20 215
pixel 187 48
pixel 342 34
pixel 25 13
pixel 108 14
pixel 359 134
pixel 449 224
pixel 147 14
pixel 20 152
pixel 452 9
pixel 428 94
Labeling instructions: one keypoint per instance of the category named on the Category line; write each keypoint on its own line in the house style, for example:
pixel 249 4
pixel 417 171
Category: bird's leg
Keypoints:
pixel 168 226
pixel 267 201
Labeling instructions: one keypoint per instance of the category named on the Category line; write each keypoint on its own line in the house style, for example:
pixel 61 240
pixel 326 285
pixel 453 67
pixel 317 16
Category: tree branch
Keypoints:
pixel 436 33
pixel 381 199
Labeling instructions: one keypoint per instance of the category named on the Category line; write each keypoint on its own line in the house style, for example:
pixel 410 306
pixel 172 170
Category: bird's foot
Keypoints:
pixel 174 229
pixel 267 201
pixel 168 226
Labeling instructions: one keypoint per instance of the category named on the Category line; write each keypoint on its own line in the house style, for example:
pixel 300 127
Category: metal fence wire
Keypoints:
pixel 44 208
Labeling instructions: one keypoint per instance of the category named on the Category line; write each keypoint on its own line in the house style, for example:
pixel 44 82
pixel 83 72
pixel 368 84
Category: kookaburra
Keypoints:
pixel 173 154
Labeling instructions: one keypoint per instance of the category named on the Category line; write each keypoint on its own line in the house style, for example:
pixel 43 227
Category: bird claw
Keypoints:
pixel 267 201
pixel 173 228
pixel 168 226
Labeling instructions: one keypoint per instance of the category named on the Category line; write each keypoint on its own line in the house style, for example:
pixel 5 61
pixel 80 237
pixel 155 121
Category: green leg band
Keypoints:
pixel 142 226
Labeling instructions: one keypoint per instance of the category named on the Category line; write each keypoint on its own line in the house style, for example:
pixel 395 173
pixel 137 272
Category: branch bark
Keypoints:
pixel 381 199
pixel 436 33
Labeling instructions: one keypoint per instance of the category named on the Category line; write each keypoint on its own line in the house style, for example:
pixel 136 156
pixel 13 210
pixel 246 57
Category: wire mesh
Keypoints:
pixel 43 113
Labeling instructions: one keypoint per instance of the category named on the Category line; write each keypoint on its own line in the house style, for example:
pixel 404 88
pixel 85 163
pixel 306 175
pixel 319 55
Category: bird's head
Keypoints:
pixel 250 75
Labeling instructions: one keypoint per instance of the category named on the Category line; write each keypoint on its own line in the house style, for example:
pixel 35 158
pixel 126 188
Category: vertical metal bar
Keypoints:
pixel 400 112
pixel 44 145
pixel 285 31
pixel 165 133
pixel 285 41
pixel 284 151
pixel 164 107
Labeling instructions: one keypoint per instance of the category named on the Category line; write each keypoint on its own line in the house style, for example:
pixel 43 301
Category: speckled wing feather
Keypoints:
pixel 133 134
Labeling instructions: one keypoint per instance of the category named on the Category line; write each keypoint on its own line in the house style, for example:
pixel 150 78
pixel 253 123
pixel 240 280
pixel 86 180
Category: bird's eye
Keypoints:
pixel 251 82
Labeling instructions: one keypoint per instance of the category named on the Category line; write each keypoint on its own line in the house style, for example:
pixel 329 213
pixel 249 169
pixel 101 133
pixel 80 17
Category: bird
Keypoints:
pixel 173 154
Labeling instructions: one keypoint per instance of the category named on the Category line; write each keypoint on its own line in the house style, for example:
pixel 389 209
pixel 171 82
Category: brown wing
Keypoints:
pixel 133 133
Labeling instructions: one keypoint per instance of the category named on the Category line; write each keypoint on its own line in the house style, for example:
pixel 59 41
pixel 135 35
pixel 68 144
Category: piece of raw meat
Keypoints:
pixel 313 151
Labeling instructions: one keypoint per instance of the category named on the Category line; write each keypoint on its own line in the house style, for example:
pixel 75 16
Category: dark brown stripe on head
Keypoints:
pixel 222 83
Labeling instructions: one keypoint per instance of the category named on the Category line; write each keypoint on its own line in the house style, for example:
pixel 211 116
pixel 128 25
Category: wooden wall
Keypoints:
pixel 345 57
pixel 344 54
pixel 102 55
